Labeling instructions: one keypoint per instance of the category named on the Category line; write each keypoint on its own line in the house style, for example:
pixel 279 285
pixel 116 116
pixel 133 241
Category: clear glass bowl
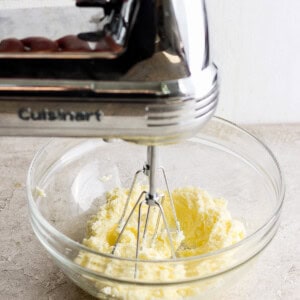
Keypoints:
pixel 66 186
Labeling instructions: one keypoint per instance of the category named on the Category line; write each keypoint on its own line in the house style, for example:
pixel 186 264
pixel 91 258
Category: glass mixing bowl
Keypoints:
pixel 68 179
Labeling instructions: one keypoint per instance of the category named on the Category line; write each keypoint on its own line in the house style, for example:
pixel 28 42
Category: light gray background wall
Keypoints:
pixel 256 45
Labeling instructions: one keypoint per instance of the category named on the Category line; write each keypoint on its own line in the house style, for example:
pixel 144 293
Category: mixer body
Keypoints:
pixel 139 70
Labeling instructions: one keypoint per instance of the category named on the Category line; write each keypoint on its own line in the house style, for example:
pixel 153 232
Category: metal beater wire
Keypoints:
pixel 152 199
pixel 128 197
pixel 127 221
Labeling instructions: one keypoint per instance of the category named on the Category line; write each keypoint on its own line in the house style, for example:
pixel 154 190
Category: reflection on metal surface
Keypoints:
pixel 143 63
pixel 124 35
pixel 173 59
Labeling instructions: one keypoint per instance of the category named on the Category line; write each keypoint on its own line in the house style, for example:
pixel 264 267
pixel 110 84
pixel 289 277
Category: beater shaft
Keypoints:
pixel 153 164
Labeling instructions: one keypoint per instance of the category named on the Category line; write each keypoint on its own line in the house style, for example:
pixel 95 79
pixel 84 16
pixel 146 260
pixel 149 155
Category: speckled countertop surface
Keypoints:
pixel 26 272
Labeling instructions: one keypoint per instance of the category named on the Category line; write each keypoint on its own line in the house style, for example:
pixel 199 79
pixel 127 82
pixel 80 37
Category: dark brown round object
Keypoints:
pixel 73 43
pixel 36 44
pixel 11 45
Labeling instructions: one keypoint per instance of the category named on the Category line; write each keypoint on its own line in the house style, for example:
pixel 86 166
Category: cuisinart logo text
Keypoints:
pixel 28 114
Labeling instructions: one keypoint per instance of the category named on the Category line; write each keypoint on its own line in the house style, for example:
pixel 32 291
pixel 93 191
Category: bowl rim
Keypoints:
pixel 270 221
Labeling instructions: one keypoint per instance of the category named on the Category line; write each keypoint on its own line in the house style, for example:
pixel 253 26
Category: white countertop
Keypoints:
pixel 27 273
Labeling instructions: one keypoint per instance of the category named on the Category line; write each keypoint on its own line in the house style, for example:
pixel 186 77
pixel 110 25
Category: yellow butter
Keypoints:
pixel 205 222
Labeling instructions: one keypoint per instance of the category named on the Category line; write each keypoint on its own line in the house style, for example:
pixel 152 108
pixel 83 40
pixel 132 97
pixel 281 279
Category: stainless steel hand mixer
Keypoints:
pixel 137 70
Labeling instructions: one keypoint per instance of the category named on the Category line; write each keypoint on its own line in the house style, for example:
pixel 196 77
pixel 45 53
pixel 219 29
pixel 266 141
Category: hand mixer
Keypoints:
pixel 137 70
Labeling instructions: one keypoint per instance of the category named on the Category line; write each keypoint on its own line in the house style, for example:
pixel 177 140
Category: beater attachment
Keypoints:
pixel 152 199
